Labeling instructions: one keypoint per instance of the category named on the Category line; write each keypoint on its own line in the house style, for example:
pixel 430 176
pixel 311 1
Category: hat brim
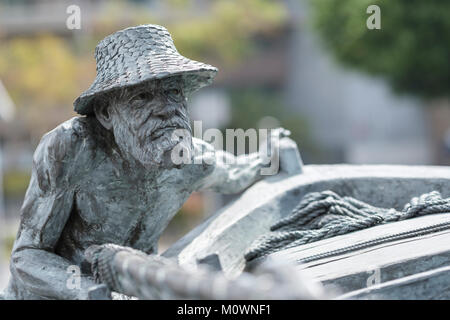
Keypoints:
pixel 195 75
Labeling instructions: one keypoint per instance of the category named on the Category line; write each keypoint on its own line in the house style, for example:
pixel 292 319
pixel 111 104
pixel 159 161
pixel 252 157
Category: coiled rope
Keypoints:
pixel 322 215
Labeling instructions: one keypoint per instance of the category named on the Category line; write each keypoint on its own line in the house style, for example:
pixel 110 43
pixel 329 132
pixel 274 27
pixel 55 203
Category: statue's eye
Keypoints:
pixel 144 96
pixel 174 94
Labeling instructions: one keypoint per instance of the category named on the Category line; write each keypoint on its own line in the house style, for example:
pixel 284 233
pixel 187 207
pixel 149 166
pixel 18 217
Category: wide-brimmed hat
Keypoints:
pixel 134 55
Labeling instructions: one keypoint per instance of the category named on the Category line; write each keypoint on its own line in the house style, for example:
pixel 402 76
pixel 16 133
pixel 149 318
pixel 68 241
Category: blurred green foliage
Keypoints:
pixel 225 32
pixel 43 75
pixel 8 242
pixel 39 69
pixel 412 48
pixel 15 183
pixel 222 30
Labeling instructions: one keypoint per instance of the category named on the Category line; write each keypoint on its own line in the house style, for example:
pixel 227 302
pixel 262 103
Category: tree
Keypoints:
pixel 411 49
pixel 43 76
pixel 221 30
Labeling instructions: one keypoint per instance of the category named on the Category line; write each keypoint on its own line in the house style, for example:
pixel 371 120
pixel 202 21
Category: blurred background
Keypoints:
pixel 347 93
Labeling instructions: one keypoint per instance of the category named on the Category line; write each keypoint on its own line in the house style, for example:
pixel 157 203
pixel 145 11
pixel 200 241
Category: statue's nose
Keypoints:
pixel 165 109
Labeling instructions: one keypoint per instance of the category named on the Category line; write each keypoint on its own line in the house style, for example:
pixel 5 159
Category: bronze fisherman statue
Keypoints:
pixel 107 176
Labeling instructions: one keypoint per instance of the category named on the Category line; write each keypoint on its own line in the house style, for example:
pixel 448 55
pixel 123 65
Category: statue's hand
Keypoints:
pixel 269 150
pixel 281 152
pixel 279 133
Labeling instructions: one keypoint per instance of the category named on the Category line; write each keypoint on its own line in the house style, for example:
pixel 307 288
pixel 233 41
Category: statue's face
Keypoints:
pixel 144 120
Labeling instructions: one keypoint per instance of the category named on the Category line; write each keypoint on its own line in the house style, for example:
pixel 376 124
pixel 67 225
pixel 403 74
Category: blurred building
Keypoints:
pixel 6 115
pixel 355 117
pixel 7 110
pixel 27 17
pixel 15 154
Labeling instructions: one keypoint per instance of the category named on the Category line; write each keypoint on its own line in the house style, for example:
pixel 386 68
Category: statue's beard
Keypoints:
pixel 152 143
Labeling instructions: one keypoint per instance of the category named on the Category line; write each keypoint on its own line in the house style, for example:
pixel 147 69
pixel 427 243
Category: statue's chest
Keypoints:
pixel 133 209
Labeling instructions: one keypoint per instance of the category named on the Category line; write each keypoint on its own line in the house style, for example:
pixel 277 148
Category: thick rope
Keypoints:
pixel 322 215
pixel 135 274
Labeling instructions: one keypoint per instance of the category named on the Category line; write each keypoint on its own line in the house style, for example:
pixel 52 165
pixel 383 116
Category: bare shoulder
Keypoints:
pixel 59 151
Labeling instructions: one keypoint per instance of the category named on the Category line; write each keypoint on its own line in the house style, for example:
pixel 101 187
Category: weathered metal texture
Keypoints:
pixel 84 191
pixel 231 230
pixel 379 263
pixel 429 285
pixel 290 159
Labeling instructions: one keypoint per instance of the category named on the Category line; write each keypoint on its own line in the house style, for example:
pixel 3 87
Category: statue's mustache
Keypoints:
pixel 155 127
pixel 153 138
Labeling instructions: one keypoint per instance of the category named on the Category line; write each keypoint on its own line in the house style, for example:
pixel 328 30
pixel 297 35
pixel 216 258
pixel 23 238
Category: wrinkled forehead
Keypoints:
pixel 126 93
pixel 159 84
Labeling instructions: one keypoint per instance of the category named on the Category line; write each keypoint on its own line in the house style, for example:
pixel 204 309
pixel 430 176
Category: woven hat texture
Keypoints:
pixel 134 55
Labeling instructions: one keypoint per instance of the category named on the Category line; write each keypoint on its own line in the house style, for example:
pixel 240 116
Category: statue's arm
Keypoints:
pixel 35 268
pixel 231 173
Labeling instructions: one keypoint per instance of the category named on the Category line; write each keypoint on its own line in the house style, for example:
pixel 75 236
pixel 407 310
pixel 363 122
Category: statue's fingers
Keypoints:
pixel 280 133
pixel 285 133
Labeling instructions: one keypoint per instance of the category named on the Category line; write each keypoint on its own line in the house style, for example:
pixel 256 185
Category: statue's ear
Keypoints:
pixel 103 114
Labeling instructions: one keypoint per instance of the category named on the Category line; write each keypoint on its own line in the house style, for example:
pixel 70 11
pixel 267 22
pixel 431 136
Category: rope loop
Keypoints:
pixel 321 215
